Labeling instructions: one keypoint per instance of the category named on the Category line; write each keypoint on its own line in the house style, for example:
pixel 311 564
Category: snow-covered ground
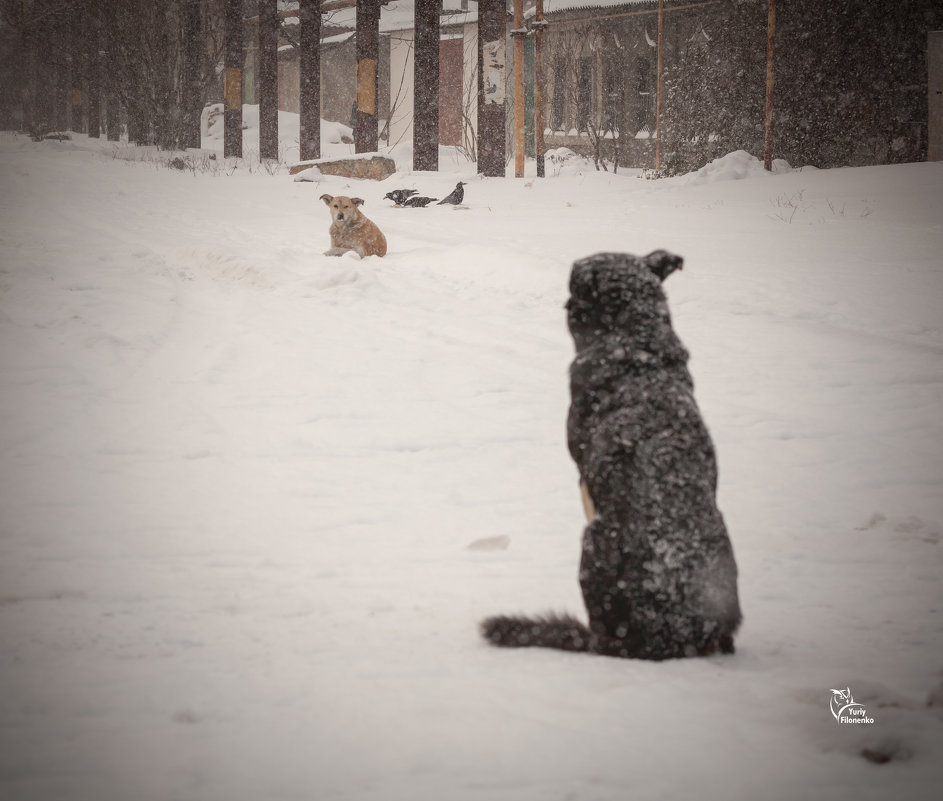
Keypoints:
pixel 239 481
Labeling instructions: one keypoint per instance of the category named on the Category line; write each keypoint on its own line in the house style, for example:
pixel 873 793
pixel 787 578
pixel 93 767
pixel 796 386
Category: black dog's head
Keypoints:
pixel 618 293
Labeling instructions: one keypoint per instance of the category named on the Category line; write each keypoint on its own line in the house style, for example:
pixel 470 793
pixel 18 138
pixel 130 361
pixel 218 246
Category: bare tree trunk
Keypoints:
pixel 110 70
pixel 366 134
pixel 492 29
pixel 93 60
pixel 77 51
pixel 62 102
pixel 135 79
pixel 30 93
pixel 268 79
pixel 192 78
pixel 310 67
pixel 426 86
pixel 770 52
pixel 138 125
pixel 232 79
pixel 519 134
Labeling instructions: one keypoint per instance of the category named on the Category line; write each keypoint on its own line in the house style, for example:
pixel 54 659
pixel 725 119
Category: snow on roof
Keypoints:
pixel 399 15
pixel 552 6
pixel 558 6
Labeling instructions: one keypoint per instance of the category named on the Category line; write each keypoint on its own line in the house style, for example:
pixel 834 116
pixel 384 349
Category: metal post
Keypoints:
pixel 366 134
pixel 426 86
pixel 770 52
pixel 232 79
pixel 310 67
pixel 268 79
pixel 661 20
pixel 539 145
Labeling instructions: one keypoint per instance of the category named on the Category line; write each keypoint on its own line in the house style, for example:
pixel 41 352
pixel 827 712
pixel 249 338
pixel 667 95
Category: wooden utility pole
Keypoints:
pixel 268 79
pixel 770 52
pixel 661 24
pixel 232 79
pixel 309 60
pixel 366 136
pixel 518 35
pixel 539 146
pixel 426 86
pixel 492 30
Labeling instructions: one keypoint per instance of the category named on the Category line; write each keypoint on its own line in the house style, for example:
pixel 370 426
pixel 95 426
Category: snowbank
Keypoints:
pixel 735 167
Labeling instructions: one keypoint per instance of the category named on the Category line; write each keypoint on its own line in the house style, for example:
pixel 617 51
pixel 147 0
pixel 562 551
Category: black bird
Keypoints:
pixel 418 202
pixel 398 196
pixel 457 196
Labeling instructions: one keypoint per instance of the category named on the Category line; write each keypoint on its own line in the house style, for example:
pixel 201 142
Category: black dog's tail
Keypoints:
pixel 564 632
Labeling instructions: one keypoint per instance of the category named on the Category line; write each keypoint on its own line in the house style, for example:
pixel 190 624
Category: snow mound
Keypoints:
pixel 734 167
pixel 499 543
pixel 310 175
pixel 337 133
pixel 211 122
pixel 564 161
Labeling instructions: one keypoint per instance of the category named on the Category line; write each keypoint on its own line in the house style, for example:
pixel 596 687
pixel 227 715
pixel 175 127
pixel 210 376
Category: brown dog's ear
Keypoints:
pixel 327 199
pixel 357 201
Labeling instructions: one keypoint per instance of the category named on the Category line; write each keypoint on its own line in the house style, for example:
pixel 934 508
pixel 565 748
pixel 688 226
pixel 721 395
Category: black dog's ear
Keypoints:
pixel 327 199
pixel 662 263
pixel 357 201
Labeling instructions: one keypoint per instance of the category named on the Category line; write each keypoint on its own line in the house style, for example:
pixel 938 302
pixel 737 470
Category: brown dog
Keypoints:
pixel 351 230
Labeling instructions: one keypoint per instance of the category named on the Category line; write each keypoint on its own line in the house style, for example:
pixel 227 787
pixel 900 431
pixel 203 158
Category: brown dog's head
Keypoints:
pixel 342 208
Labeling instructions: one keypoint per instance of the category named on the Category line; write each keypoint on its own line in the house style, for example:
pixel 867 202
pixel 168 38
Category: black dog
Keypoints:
pixel 657 573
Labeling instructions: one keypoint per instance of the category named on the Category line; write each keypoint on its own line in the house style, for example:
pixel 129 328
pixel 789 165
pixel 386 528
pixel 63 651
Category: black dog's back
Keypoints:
pixel 657 572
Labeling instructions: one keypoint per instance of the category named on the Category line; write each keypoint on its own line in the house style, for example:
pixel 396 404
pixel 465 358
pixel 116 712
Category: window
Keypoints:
pixel 559 89
pixel 584 95
pixel 613 95
pixel 645 100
